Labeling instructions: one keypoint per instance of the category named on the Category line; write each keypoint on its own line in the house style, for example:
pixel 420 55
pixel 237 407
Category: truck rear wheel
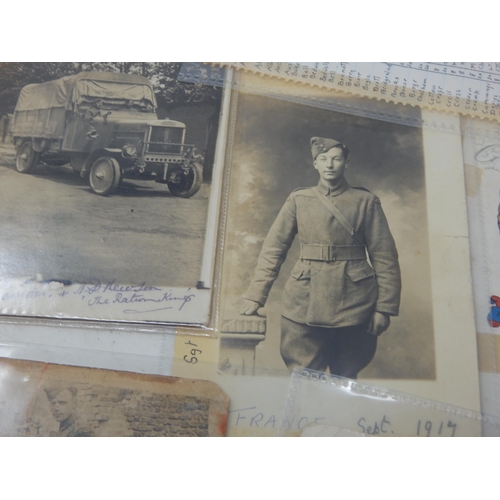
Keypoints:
pixel 185 183
pixel 27 158
pixel 104 175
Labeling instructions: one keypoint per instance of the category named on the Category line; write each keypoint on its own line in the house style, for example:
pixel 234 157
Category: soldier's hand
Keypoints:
pixel 379 323
pixel 249 307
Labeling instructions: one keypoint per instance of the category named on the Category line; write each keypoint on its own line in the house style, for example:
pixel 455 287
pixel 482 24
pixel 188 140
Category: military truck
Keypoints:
pixel 105 125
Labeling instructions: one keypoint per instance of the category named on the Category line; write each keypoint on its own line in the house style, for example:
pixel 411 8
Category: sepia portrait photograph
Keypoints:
pixel 108 172
pixel 332 261
pixel 52 400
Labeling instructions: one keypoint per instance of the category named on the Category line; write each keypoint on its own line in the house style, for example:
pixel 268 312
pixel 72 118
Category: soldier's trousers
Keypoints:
pixel 344 351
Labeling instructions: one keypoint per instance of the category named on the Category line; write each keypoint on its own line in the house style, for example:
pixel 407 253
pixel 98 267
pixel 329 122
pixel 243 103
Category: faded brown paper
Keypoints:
pixel 38 399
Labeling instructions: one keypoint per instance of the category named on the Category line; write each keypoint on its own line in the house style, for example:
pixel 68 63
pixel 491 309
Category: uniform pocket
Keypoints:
pixel 360 273
pixel 300 272
pixel 360 292
pixel 306 269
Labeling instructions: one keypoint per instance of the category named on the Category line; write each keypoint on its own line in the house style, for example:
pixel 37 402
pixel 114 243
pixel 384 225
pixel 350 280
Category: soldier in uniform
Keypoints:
pixel 336 302
pixel 62 404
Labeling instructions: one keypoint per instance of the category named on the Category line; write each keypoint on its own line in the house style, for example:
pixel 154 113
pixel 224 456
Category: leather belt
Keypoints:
pixel 331 253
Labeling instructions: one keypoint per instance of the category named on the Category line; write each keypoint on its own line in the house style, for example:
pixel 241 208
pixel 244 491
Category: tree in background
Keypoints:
pixel 14 76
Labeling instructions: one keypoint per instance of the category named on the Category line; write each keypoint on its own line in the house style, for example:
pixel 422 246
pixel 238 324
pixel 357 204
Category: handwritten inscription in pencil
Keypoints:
pixel 141 298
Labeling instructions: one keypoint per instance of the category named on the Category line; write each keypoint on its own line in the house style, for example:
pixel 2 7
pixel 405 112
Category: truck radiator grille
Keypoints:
pixel 165 140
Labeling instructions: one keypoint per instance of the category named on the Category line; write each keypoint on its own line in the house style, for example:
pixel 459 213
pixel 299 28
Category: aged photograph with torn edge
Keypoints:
pixel 39 399
pixel 346 246
pixel 110 180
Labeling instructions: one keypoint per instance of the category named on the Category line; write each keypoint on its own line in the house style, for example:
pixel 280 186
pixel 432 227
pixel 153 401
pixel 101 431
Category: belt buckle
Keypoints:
pixel 324 252
pixel 329 253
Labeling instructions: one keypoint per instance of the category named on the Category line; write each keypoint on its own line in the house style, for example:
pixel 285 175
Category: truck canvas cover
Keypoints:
pixel 40 109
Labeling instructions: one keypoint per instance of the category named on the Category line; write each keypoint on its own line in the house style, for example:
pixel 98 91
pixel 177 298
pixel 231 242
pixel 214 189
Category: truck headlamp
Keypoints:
pixel 129 150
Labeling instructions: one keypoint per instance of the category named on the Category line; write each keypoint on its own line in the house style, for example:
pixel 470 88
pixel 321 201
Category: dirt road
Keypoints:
pixel 52 225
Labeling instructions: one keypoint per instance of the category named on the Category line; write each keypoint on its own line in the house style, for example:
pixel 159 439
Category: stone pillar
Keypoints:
pixel 238 339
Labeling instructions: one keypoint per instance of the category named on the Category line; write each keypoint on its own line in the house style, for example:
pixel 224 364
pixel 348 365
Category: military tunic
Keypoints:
pixel 68 428
pixel 341 278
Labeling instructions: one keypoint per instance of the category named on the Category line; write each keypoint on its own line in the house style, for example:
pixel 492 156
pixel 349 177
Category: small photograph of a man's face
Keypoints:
pixel 62 404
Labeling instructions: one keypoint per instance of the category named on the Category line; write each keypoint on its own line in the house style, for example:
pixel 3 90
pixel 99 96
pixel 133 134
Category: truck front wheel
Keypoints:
pixel 104 175
pixel 185 182
pixel 27 158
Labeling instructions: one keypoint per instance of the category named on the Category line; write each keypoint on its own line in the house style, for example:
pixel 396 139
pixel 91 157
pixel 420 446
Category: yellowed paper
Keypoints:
pixel 471 89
